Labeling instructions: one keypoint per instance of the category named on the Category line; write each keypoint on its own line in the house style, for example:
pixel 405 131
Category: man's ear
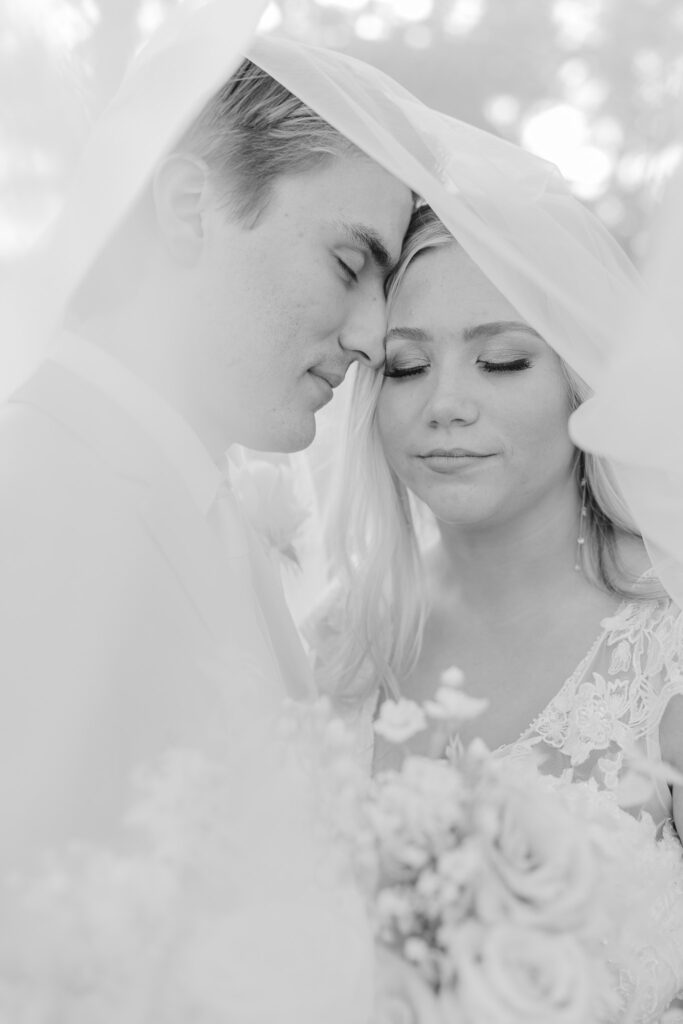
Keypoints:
pixel 180 187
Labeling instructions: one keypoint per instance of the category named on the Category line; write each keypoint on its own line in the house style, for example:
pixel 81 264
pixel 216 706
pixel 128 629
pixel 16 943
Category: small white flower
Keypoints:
pixel 416 950
pixel 450 703
pixel 453 676
pixel 414 856
pixel 477 750
pixel 611 768
pixel 394 906
pixel 399 720
pixel 461 864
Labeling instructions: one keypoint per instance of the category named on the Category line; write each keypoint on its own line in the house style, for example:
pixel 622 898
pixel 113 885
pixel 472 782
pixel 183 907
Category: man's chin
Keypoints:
pixel 287 439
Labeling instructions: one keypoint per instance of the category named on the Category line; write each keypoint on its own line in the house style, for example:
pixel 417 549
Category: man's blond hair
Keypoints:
pixel 252 132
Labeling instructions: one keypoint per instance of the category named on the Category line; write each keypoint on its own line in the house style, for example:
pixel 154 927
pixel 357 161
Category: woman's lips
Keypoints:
pixel 454 453
pixel 443 460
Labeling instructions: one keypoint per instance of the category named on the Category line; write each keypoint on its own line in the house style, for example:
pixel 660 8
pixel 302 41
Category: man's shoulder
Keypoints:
pixel 57 496
pixel 26 425
pixel 60 424
pixel 34 447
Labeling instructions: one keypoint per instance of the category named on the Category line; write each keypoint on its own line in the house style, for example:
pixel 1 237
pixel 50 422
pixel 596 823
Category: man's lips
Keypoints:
pixel 330 377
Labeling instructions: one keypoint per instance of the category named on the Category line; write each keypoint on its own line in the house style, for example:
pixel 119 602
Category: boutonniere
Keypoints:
pixel 268 496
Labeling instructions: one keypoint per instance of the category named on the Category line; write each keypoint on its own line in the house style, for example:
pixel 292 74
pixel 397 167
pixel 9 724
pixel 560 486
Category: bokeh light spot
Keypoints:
pixel 464 16
pixel 271 18
pixel 502 111
pixel 371 27
pixel 578 21
pixel 348 5
pixel 560 134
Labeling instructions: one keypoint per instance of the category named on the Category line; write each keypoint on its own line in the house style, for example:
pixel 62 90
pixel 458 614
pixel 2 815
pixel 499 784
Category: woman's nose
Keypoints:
pixel 451 402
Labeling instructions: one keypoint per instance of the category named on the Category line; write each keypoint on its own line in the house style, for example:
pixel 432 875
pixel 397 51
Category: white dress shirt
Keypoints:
pixel 250 567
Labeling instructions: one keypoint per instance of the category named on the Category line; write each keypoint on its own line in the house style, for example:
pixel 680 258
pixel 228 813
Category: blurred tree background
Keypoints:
pixel 591 84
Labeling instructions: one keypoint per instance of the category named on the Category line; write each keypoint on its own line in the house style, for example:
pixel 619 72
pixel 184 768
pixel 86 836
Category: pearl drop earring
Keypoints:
pixel 581 539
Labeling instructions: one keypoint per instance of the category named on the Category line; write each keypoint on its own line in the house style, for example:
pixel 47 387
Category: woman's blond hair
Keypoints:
pixel 373 522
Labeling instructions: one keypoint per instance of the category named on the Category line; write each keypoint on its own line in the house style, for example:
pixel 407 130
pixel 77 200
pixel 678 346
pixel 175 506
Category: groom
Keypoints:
pixel 225 309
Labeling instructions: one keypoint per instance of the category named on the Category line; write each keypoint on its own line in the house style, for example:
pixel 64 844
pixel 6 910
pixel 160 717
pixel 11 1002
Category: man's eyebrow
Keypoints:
pixel 369 240
pixel 480 332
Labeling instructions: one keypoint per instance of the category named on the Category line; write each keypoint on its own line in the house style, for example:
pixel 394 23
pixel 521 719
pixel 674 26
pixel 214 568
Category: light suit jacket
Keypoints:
pixel 125 627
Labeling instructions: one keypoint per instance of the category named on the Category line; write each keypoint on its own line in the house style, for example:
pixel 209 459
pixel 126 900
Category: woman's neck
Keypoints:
pixel 500 566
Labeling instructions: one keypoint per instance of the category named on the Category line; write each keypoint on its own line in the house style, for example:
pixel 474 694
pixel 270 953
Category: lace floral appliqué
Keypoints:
pixel 616 697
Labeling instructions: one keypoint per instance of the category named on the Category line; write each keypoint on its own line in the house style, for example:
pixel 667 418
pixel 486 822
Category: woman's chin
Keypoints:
pixel 468 512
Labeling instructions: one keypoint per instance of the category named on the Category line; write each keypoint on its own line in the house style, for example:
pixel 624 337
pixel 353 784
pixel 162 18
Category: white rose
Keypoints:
pixel 450 704
pixel 539 864
pixel 508 974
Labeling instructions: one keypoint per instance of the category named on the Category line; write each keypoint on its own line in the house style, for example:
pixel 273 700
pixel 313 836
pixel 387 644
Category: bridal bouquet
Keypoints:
pixel 498 894
pixel 490 896
pixel 261 879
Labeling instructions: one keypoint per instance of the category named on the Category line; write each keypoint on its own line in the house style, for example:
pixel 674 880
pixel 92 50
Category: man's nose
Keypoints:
pixel 365 329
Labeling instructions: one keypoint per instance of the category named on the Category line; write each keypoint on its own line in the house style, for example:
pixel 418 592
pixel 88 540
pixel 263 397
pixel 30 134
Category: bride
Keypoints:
pixel 537 583
pixel 472 532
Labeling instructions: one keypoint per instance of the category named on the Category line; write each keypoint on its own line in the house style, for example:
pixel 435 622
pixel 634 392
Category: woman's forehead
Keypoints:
pixel 444 284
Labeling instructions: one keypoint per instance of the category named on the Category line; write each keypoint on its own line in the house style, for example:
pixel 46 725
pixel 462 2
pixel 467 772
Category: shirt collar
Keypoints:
pixel 175 438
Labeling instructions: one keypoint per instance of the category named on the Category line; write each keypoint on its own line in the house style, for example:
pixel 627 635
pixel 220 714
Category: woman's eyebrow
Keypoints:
pixel 408 334
pixel 480 332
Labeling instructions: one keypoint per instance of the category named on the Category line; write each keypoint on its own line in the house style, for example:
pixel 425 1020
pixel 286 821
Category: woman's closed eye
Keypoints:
pixel 400 370
pixel 505 366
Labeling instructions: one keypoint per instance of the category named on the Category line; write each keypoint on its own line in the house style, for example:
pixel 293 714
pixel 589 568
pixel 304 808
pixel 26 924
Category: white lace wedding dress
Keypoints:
pixel 612 702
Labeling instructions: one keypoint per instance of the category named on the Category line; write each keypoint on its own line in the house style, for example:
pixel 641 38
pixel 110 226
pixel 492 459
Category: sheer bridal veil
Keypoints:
pixel 635 419
pixel 555 262
pixel 510 210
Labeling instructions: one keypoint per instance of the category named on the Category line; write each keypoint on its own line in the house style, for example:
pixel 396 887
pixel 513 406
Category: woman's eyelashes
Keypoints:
pixel 505 366
pixel 398 370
